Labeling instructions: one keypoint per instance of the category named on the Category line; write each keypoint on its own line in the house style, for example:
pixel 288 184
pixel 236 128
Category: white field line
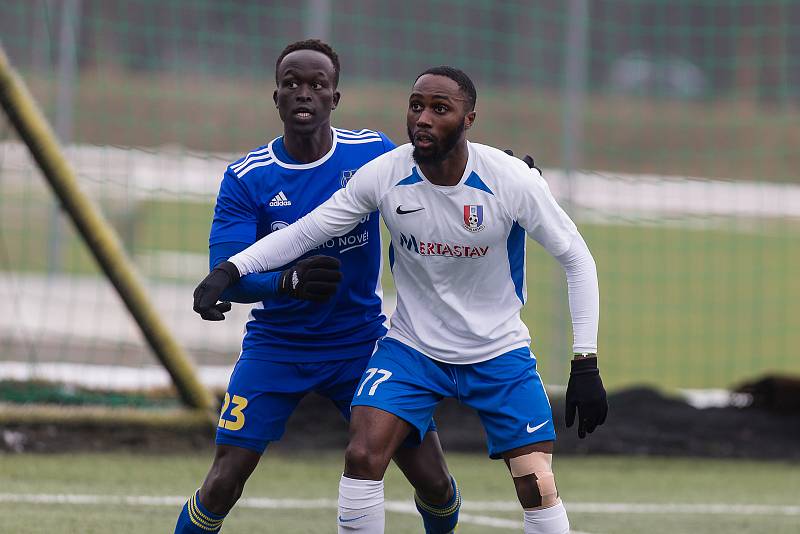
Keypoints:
pixel 408 507
pixel 256 503
pixel 650 508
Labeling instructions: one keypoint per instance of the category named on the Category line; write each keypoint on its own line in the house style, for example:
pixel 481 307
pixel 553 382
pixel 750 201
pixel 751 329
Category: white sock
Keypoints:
pixel 552 520
pixel 361 506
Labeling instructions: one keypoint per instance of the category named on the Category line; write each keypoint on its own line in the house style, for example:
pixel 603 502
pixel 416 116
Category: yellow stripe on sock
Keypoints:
pixel 204 516
pixel 440 512
pixel 207 521
pixel 200 519
pixel 198 522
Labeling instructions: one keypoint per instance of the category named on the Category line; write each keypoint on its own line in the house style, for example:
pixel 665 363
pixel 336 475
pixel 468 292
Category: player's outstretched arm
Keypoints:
pixel 256 287
pixel 316 279
pixel 274 250
pixel 334 217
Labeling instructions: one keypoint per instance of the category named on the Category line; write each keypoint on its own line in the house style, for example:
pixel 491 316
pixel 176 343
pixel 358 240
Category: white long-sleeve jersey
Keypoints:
pixel 457 253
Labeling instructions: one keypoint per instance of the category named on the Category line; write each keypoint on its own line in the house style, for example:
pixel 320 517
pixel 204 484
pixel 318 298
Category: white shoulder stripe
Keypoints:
pixel 342 138
pixel 254 165
pixel 354 132
pixel 355 135
pixel 249 159
pixel 256 154
pixel 360 141
pixel 240 168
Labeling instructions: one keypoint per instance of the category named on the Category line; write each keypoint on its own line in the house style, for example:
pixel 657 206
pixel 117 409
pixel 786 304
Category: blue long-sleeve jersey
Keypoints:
pixel 265 191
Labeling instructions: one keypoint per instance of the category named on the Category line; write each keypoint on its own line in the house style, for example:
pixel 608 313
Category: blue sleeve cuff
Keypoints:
pixel 250 288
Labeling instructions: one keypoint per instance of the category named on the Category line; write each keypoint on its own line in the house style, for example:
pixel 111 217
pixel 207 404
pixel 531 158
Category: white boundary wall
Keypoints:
pixel 190 176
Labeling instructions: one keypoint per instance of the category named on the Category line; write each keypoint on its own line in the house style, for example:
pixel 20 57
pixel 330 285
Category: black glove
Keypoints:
pixel 315 278
pixel 527 159
pixel 207 293
pixel 586 395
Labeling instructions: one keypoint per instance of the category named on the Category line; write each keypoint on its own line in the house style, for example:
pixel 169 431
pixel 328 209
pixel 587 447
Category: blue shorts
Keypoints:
pixel 506 391
pixel 263 394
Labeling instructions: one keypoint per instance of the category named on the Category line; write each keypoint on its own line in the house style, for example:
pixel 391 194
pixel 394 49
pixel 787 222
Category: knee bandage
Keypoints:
pixel 540 465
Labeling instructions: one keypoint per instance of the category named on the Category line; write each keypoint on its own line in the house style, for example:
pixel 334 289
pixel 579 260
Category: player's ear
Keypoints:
pixel 336 96
pixel 275 97
pixel 469 119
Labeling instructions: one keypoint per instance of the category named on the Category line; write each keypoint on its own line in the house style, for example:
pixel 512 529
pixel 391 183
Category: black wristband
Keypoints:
pixel 585 366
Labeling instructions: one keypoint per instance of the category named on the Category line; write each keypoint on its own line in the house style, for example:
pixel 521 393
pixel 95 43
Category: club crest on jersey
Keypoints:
pixel 473 217
pixel 346 175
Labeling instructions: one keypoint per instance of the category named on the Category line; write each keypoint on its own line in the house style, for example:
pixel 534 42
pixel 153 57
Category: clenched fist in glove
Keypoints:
pixel 208 292
pixel 315 278
pixel 586 396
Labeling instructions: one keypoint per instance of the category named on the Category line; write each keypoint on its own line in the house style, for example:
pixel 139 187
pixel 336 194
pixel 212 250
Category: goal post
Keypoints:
pixel 100 237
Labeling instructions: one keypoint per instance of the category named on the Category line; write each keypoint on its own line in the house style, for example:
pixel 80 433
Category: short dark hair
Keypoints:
pixel 458 76
pixel 311 44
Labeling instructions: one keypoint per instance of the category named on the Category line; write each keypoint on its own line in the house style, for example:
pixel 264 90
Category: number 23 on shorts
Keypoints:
pixel 370 374
pixel 239 404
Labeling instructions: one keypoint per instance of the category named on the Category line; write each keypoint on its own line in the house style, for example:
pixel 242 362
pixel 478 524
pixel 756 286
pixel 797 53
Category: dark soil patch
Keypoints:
pixel 641 422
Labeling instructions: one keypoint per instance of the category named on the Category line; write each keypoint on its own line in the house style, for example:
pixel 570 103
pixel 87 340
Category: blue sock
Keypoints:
pixel 196 519
pixel 440 519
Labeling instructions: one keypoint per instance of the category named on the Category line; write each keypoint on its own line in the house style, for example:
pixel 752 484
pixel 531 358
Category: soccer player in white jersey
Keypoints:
pixel 458 213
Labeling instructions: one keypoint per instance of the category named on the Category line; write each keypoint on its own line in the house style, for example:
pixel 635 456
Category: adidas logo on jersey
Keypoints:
pixel 279 200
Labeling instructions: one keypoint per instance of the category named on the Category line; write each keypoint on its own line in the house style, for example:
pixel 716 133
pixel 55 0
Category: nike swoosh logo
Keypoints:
pixel 532 429
pixel 343 520
pixel 401 211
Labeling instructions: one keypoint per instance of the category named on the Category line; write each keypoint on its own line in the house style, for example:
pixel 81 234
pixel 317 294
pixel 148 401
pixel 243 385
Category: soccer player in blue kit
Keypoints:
pixel 311 329
pixel 458 214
